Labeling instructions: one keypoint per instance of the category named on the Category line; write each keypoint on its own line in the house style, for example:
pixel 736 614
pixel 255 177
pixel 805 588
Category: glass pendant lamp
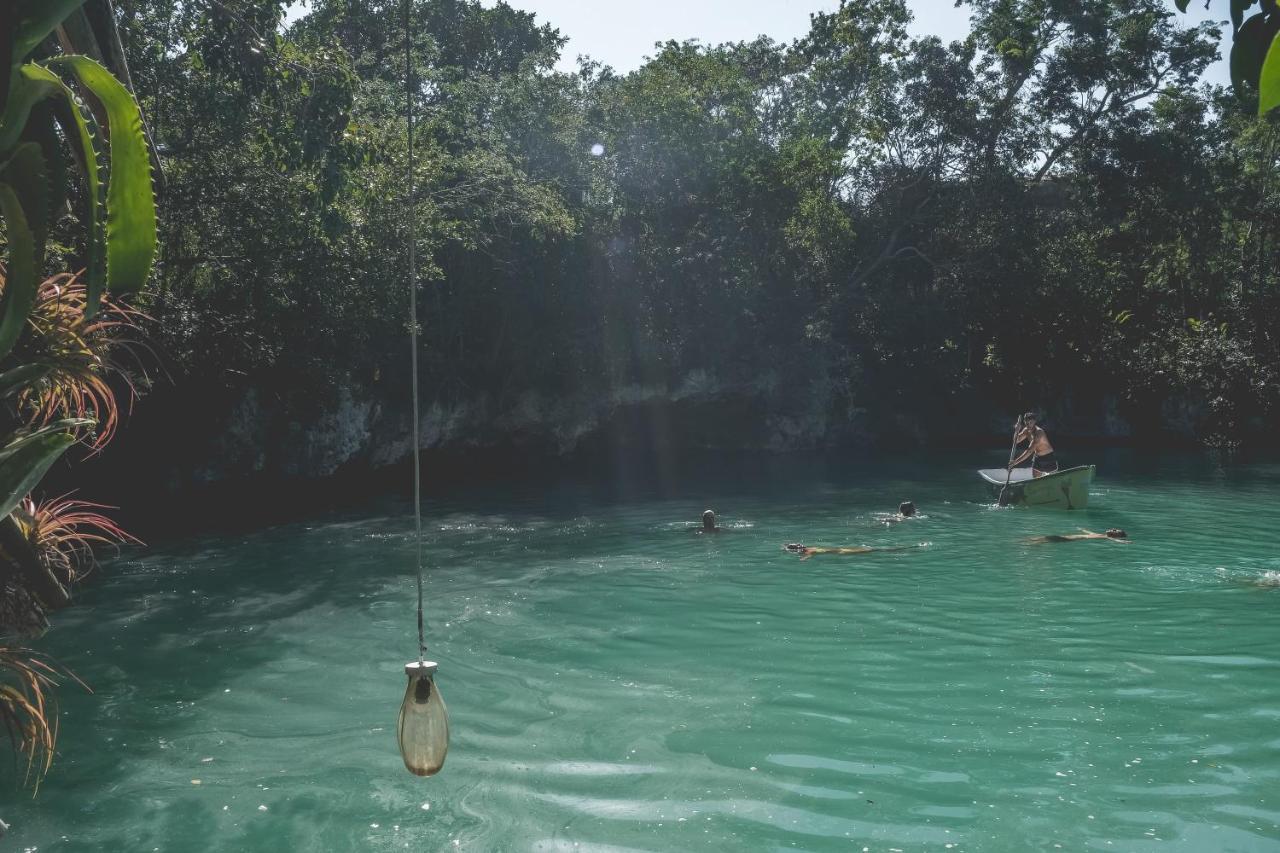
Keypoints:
pixel 423 728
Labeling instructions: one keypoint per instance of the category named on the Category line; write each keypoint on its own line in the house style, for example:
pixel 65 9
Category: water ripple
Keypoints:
pixel 618 684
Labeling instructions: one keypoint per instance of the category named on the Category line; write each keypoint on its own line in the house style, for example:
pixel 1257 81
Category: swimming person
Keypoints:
pixel 906 510
pixel 806 552
pixel 1115 534
pixel 1040 451
pixel 708 523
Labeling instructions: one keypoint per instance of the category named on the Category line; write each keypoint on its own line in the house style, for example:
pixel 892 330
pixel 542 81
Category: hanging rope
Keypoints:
pixel 413 317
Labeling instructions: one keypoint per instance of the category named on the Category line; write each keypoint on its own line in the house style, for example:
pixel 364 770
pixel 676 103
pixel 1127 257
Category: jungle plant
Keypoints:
pixel 28 712
pixel 56 97
pixel 73 353
pixel 64 533
pixel 1255 52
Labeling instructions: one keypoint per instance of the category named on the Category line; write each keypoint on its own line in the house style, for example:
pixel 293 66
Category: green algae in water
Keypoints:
pixel 618 684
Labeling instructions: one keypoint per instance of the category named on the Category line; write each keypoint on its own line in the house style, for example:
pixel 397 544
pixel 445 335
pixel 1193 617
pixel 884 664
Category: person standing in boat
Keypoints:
pixel 1039 451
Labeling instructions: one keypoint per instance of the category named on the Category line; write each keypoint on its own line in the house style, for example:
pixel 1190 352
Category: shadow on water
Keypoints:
pixel 179 627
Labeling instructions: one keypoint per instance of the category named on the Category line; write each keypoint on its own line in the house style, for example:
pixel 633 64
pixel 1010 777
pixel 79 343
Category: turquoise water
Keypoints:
pixel 617 684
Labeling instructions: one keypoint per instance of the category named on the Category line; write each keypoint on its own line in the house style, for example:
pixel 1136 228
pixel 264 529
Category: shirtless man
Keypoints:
pixel 1040 451
pixel 708 523
pixel 1115 534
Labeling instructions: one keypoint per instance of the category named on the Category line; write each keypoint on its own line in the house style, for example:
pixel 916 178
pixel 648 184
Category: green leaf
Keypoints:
pixel 20 288
pixel 1269 80
pixel 26 173
pixel 1238 8
pixel 41 130
pixel 1248 52
pixel 8 61
pixel 80 129
pixel 1181 4
pixel 65 425
pixel 29 86
pixel 23 116
pixel 131 208
pixel 21 470
pixel 36 19
pixel 18 379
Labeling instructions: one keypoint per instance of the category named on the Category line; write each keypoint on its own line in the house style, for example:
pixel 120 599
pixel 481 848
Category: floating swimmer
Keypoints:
pixel 1115 534
pixel 806 552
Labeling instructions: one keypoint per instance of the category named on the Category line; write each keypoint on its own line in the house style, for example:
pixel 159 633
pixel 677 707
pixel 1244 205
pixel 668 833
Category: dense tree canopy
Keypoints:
pixel 1056 202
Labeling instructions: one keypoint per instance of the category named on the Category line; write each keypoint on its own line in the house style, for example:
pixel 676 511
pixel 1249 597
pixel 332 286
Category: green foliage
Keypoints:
pixel 26 175
pixel 40 114
pixel 36 19
pixel 24 461
pixel 120 256
pixel 879 222
pixel 20 288
pixel 131 211
pixel 1255 56
pixel 17 379
pixel 1269 79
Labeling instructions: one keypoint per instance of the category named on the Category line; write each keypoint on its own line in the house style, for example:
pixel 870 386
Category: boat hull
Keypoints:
pixel 1066 489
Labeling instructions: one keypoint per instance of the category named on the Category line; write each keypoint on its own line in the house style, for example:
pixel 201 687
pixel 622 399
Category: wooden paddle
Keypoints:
pixel 1013 451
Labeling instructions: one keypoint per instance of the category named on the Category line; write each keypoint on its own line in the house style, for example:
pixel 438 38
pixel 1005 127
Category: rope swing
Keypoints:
pixel 423 727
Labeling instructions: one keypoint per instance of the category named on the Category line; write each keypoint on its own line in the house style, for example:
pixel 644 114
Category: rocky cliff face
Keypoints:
pixel 187 459
pixel 359 430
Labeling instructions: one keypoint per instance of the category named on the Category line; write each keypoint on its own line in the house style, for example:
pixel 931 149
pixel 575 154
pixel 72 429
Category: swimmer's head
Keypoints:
pixel 1117 533
pixel 709 520
pixel 793 547
pixel 907 508
pixel 1030 419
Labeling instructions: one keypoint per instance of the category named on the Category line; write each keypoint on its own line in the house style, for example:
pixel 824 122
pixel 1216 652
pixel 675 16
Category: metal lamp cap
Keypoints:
pixel 426 667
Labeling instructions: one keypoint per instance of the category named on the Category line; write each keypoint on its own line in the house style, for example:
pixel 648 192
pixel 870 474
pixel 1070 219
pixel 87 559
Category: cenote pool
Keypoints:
pixel 618 684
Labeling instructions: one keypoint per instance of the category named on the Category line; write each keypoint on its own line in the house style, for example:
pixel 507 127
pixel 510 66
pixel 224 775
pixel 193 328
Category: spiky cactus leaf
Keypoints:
pixel 42 131
pixel 20 378
pixel 27 172
pixel 32 85
pixel 81 129
pixel 28 87
pixel 35 20
pixel 64 425
pixel 131 208
pixel 22 469
pixel 20 287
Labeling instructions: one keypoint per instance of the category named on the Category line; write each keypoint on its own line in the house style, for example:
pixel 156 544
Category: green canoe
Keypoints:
pixel 1066 489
